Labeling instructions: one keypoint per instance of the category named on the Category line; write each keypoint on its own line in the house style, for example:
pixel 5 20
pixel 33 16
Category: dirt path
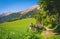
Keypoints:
pixel 47 33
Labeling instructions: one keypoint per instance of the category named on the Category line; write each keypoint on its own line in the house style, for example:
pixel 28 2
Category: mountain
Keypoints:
pixel 11 16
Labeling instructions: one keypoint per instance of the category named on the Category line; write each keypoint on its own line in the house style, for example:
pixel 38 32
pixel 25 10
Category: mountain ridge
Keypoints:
pixel 23 11
pixel 21 14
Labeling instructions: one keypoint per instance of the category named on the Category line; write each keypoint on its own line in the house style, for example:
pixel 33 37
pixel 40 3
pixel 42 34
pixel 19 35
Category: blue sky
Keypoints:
pixel 15 5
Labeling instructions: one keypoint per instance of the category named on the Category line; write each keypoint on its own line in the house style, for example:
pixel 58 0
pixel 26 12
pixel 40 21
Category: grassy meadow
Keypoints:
pixel 19 29
pixel 22 22
pixel 14 28
pixel 19 25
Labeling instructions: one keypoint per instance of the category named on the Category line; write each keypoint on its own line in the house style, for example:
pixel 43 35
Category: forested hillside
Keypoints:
pixel 13 16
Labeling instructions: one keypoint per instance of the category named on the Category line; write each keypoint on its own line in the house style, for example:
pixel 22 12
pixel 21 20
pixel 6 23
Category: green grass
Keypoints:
pixel 19 25
pixel 16 28
pixel 54 37
pixel 23 22
pixel 19 29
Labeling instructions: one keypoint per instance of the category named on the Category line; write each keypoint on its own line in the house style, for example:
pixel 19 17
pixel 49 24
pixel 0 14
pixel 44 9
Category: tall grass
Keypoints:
pixel 20 30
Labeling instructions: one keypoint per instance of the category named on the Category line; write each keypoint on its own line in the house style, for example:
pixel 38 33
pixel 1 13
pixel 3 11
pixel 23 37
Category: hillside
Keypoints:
pixel 15 29
pixel 22 22
pixel 9 16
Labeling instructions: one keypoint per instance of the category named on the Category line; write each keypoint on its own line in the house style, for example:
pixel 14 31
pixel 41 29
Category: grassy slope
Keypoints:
pixel 23 22
pixel 19 25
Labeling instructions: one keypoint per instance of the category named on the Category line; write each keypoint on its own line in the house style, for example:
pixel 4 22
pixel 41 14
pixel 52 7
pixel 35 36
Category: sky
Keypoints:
pixel 15 5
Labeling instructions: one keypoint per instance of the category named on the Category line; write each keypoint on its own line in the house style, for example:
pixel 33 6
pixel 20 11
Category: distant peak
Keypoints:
pixel 30 9
pixel 35 7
